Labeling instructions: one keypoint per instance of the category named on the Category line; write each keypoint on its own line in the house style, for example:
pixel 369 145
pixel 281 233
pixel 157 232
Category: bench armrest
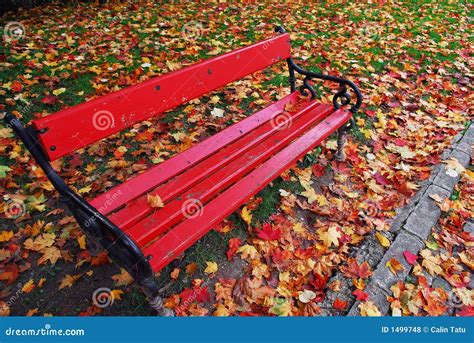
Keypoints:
pixel 341 98
pixel 96 226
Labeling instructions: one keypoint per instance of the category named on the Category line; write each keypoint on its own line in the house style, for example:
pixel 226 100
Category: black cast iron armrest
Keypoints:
pixel 341 98
pixel 97 226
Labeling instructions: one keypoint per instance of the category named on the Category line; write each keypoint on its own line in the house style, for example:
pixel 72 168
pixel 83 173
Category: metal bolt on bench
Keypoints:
pixel 202 185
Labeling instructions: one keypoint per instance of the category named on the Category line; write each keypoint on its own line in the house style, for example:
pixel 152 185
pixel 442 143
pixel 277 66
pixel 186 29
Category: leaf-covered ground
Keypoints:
pixel 276 255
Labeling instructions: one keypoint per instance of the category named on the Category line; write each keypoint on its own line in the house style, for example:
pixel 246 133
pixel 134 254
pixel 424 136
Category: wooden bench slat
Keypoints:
pixel 173 212
pixel 182 236
pixel 139 207
pixel 81 125
pixel 117 196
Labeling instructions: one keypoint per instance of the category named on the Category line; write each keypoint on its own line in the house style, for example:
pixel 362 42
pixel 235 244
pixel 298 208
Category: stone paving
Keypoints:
pixel 414 223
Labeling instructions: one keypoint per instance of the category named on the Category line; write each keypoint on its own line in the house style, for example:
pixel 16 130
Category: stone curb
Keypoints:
pixel 414 222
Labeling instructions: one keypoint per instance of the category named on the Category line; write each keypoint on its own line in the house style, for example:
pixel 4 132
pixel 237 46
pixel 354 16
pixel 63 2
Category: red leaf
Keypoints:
pixel 234 245
pixel 360 295
pixel 189 295
pixel 267 233
pixel 49 99
pixel 339 304
pixel 16 87
pixel 411 258
pixel 381 180
pixel 354 270
pixel 318 170
pixel 467 311
pixel 319 281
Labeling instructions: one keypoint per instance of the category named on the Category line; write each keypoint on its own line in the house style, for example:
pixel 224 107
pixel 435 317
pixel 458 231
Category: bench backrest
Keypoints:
pixel 73 128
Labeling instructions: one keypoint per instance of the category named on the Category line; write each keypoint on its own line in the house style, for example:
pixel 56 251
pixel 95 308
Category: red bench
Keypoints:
pixel 202 185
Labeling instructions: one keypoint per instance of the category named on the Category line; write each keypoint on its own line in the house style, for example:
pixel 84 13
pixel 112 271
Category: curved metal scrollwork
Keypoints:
pixel 341 98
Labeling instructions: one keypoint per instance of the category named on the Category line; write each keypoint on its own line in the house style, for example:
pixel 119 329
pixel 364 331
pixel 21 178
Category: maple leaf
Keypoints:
pixel 5 236
pixel 69 280
pixel 234 245
pixel 9 273
pixel 155 201
pixel 394 265
pixel 430 262
pixel 331 236
pixel 360 295
pixel 16 86
pixel 221 311
pixel 246 215
pixel 211 268
pixel 248 251
pixel 49 99
pixel 268 233
pixel 122 279
pixel 339 304
pixel 368 309
pixel 52 254
pixel 356 270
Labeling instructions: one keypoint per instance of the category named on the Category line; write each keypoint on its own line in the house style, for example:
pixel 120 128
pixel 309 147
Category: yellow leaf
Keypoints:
pixel 5 236
pixel 116 294
pixel 69 280
pixel 368 309
pixel 52 254
pixel 248 251
pixel 394 265
pixel 122 279
pixel 246 215
pixel 82 242
pixel 331 236
pixel 221 311
pixel 155 201
pixel 211 268
pixel 382 240
pixel 59 91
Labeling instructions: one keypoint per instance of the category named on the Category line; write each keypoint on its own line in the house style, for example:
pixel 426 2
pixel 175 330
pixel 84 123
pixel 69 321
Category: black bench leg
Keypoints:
pixel 150 287
pixel 341 142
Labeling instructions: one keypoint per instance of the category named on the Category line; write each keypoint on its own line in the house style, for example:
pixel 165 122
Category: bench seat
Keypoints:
pixel 217 176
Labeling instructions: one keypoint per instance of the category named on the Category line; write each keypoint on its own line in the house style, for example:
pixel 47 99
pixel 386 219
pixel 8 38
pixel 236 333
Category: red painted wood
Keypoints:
pixel 122 194
pixel 139 208
pixel 174 211
pixel 81 125
pixel 173 243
